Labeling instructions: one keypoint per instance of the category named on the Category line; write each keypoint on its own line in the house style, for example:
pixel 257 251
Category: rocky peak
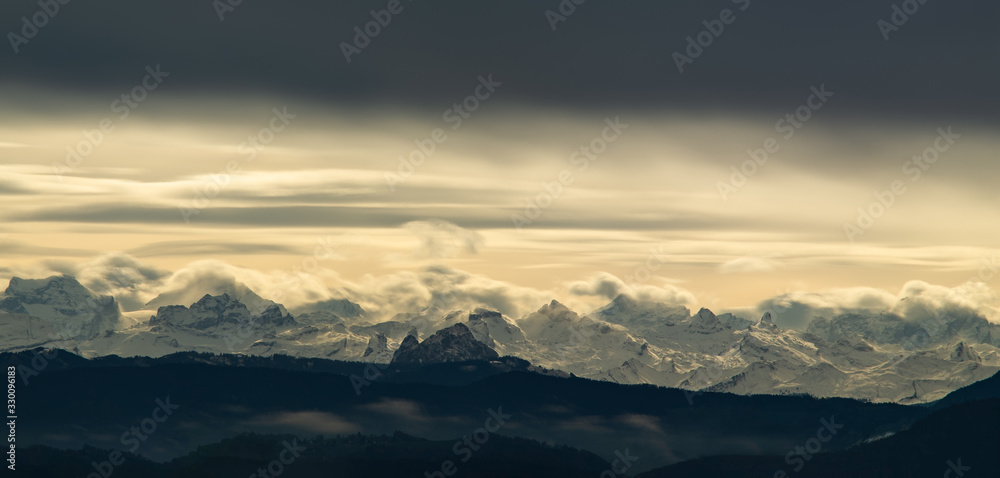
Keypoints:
pixel 706 321
pixel 220 310
pixel 622 303
pixel 378 345
pixel 964 353
pixel 482 314
pixel 765 322
pixel 452 344
pixel 276 315
pixel 408 343
pixel 556 311
pixel 555 306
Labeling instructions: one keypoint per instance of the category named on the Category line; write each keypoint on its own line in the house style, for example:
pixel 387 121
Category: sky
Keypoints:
pixel 507 153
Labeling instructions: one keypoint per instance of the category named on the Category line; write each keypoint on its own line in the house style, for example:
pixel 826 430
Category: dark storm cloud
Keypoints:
pixel 943 60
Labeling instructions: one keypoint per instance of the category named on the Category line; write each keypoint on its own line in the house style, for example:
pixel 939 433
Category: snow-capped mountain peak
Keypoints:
pixel 633 313
pixel 61 302
pixel 705 322
pixel 254 303
pixel 964 353
pixel 340 307
pixel 765 323
pixel 495 330
pixel 218 311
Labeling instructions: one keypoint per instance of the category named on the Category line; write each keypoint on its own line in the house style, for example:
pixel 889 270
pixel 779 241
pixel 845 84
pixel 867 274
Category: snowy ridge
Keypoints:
pixel 57 308
pixel 628 341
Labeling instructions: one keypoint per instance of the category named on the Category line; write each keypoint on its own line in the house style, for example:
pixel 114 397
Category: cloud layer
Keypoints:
pixel 444 288
pixel 916 301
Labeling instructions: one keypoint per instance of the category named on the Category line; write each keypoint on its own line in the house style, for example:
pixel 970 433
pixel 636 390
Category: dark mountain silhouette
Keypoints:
pixel 221 396
pixel 351 456
pixel 959 438
pixel 452 344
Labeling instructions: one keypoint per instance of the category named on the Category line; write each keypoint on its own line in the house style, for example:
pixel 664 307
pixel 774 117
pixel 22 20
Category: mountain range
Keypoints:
pixel 882 358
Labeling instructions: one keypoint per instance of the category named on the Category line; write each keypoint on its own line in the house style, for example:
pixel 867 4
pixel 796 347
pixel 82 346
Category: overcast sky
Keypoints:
pixel 250 147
